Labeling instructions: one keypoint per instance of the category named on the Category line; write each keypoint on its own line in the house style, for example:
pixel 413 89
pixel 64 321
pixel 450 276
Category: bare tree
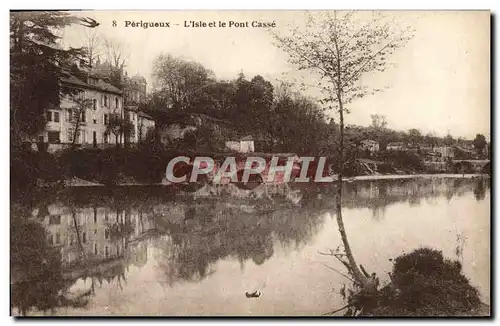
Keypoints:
pixel 115 53
pixel 119 127
pixel 77 116
pixel 92 44
pixel 341 47
pixel 378 121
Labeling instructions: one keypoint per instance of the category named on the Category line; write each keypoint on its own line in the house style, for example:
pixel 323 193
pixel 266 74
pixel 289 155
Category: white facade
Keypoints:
pixel 92 123
pixel 241 146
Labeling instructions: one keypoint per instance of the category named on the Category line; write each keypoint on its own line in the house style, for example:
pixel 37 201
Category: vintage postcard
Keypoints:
pixel 250 163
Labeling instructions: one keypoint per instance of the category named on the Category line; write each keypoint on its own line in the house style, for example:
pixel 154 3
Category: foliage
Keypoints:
pixel 203 139
pixel 479 143
pixel 424 283
pixel 402 159
pixel 37 64
pixel 414 137
pixel 178 82
pixel 38 268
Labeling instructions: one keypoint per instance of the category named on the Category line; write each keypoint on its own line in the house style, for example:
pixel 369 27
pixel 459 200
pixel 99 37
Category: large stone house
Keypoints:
pixel 104 100
pixel 70 122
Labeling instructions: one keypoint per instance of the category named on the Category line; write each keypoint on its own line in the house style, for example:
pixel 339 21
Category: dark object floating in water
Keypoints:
pixel 255 294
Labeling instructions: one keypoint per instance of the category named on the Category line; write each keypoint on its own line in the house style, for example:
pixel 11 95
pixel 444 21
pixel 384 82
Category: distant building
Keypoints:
pixel 466 144
pixel 134 97
pixel 243 145
pixel 395 146
pixel 371 145
pixel 145 125
pixel 182 124
pixel 445 151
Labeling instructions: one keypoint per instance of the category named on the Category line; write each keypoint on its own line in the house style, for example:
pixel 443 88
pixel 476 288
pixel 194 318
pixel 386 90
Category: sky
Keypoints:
pixel 440 81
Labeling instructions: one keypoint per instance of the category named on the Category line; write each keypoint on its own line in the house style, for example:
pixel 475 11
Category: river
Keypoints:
pixel 157 251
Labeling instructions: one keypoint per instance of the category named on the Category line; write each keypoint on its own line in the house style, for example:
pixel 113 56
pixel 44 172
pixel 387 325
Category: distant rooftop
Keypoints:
pixel 101 84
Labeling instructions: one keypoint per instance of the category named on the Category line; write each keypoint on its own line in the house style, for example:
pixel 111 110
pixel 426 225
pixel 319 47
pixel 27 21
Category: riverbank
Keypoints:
pixel 146 166
pixel 78 182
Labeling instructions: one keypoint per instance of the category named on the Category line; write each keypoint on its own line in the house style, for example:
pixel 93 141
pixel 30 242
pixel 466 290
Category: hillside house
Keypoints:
pixel 242 145
pixel 370 145
pixel 177 127
pixel 89 123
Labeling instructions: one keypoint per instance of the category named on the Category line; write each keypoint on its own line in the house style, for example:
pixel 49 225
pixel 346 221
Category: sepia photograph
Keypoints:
pixel 250 163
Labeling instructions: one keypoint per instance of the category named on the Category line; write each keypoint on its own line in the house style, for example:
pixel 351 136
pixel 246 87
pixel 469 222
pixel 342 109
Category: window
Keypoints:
pixel 49 116
pixel 70 135
pixel 53 137
pixel 105 140
pixel 58 238
pixel 71 239
pixel 105 100
pixel 55 219
pixel 95 248
pixel 117 103
pixel 83 134
pixel 106 251
pixel 84 237
pixel 56 116
pixel 106 119
pixel 95 214
pixel 106 234
pixel 94 104
pixel 95 121
pixel 84 116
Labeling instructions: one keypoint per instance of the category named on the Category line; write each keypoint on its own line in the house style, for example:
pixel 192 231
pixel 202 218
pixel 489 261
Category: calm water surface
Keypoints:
pixel 154 251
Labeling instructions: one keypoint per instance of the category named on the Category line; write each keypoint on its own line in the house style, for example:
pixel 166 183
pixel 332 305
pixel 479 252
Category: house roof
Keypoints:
pixel 101 85
pixel 144 115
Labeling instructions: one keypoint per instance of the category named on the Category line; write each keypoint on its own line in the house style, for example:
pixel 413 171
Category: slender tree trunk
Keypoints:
pixel 358 276
pixel 77 229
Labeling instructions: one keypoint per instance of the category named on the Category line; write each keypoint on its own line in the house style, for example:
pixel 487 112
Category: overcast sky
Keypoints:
pixel 440 82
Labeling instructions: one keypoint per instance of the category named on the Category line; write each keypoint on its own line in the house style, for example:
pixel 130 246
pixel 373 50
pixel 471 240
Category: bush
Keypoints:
pixel 423 283
pixel 27 166
pixel 402 159
pixel 146 164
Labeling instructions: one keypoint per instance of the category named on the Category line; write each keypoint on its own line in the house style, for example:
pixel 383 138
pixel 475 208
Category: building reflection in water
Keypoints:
pixel 96 235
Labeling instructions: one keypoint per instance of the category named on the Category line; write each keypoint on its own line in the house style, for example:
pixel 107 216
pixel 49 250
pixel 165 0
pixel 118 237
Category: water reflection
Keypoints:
pixel 96 235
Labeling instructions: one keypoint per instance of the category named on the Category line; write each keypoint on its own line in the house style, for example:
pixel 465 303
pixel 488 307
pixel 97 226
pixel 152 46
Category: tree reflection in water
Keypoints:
pixel 36 270
pixel 96 234
pixel 480 188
